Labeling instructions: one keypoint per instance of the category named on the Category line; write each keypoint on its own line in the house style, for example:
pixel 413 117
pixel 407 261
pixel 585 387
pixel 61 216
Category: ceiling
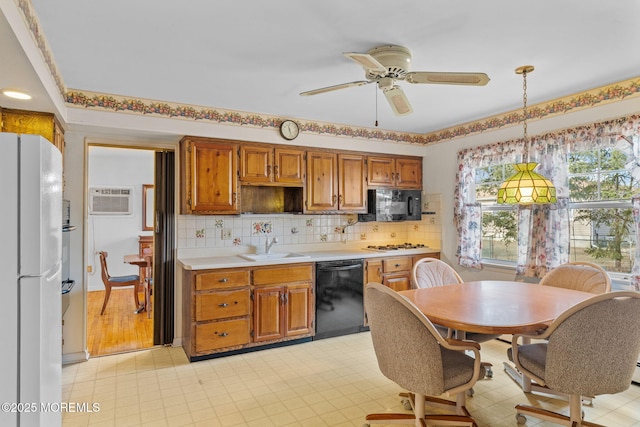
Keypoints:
pixel 257 56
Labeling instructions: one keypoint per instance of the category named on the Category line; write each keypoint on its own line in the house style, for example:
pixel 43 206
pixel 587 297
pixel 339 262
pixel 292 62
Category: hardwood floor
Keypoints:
pixel 119 329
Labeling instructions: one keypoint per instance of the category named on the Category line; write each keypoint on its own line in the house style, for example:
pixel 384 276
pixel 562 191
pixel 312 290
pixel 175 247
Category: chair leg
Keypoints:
pixel 136 289
pixel 107 294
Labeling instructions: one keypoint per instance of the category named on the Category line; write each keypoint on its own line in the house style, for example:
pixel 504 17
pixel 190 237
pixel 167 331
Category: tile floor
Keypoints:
pixel 331 382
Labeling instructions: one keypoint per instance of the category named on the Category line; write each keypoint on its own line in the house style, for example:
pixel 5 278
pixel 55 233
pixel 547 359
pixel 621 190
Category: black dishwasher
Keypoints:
pixel 339 298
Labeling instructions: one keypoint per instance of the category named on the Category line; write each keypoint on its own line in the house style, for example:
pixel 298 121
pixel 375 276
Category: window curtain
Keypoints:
pixel 543 241
pixel 467 214
pixel 543 230
pixel 635 271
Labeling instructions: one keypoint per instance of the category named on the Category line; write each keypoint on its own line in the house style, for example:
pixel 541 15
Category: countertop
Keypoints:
pixel 236 261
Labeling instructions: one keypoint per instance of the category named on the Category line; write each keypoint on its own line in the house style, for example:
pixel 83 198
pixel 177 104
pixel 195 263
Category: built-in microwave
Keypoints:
pixel 388 205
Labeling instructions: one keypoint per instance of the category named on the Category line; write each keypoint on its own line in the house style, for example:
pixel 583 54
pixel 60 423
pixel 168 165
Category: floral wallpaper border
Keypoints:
pixel 84 99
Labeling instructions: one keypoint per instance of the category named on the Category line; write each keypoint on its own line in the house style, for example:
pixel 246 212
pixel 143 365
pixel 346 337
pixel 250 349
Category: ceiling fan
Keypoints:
pixel 386 64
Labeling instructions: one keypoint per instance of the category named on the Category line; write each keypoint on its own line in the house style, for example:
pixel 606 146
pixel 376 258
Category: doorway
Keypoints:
pixel 120 222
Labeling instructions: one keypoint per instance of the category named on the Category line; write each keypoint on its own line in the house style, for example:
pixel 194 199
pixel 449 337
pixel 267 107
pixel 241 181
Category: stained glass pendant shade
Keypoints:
pixel 526 187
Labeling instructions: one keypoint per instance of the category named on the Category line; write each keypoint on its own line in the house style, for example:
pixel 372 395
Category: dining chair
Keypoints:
pixel 579 276
pixel 413 354
pixel 429 272
pixel 116 281
pixel 590 349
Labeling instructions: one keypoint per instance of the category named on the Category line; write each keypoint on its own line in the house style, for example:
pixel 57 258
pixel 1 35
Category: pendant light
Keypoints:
pixel 526 186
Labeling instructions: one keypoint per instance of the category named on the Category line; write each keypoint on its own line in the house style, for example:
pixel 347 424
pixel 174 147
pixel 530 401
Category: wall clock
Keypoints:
pixel 289 129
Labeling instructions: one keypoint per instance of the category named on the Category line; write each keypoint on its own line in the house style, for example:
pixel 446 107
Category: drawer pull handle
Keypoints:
pixel 224 304
pixel 224 334
pixel 224 280
pixel 397 265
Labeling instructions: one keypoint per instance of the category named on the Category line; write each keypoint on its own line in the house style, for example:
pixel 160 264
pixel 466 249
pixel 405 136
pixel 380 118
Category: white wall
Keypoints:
pixel 116 234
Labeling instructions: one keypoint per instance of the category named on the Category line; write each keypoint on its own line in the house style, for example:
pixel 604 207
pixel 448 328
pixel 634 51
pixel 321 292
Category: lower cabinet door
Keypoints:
pixel 299 309
pixel 399 282
pixel 226 333
pixel 268 313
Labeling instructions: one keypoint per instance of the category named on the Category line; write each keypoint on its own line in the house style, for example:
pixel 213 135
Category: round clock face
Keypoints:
pixel 289 129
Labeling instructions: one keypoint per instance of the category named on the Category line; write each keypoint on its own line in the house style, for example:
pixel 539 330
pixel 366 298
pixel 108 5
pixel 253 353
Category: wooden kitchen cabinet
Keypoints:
pixel 394 272
pixel 209 181
pixel 216 311
pixel 234 309
pixel 283 303
pixel 336 183
pixel 396 172
pixel 33 122
pixel 264 165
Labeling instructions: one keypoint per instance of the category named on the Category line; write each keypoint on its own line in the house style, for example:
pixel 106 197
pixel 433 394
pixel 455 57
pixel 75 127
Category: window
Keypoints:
pixel 601 222
pixel 499 222
pixel 601 216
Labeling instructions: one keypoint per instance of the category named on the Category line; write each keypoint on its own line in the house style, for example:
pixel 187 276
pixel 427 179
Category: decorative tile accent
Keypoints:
pixel 309 223
pixel 338 230
pixel 219 223
pixel 416 227
pixel 200 234
pixel 363 236
pixel 393 235
pixel 294 230
pixel 237 241
pixel 323 237
pixel 375 228
pixel 262 227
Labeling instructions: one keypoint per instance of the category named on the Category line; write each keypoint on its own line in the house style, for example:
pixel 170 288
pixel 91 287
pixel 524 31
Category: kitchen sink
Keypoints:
pixel 275 255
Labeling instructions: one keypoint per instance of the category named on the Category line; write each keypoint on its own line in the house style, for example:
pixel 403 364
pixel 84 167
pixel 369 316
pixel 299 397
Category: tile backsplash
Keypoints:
pixel 250 230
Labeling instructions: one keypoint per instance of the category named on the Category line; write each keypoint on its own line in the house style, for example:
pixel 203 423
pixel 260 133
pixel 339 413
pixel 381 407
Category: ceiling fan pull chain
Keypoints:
pixel 376 91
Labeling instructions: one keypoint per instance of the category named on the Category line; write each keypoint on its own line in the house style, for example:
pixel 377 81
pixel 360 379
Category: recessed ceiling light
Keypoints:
pixel 11 93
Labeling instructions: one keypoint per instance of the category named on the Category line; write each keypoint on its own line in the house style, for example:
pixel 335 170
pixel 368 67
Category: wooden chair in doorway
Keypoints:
pixel 116 281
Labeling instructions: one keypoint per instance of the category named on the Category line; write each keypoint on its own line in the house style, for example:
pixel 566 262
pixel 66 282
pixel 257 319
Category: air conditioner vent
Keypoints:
pixel 110 201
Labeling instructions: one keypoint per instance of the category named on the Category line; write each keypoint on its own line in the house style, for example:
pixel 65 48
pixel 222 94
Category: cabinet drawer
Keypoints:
pixel 221 305
pixel 284 274
pixel 227 333
pixel 222 279
pixel 391 265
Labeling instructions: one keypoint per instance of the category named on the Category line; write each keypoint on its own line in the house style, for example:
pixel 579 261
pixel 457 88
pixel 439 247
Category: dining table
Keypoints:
pixel 495 307
pixel 141 262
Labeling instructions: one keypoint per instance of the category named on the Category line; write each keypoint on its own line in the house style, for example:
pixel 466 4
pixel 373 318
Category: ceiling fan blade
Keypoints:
pixel 367 61
pixel 472 79
pixel 335 87
pixel 398 101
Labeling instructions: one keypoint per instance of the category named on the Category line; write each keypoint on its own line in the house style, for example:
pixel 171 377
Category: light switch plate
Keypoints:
pixel 226 234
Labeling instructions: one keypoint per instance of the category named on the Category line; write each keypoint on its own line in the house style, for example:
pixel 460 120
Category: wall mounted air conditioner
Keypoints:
pixel 110 200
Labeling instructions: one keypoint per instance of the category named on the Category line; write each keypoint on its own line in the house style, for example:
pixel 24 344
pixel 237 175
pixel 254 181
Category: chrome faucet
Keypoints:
pixel 267 245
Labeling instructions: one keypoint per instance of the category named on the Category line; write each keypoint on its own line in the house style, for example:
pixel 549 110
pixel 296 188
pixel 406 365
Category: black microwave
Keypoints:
pixel 387 205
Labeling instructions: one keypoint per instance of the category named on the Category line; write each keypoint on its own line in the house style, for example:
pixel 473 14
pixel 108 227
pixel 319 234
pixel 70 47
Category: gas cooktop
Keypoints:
pixel 397 247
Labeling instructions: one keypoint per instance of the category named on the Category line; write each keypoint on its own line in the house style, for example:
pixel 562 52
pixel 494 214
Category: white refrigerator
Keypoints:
pixel 30 278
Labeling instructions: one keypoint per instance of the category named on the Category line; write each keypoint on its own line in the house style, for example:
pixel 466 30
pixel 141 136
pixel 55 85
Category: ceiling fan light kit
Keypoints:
pixel 387 64
pixel 526 186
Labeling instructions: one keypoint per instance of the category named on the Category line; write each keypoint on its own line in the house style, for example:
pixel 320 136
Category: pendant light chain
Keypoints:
pixel 526 186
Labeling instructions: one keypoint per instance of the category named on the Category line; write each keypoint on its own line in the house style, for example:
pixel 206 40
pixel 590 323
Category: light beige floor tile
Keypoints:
pixel 332 382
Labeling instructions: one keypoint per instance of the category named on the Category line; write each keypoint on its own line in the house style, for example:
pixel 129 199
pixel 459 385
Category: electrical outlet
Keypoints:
pixel 226 234
pixel 89 269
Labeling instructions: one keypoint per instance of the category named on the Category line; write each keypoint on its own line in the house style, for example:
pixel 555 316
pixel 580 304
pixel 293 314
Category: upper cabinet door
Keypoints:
pixel 381 171
pixel 211 181
pixel 289 166
pixel 395 172
pixel 408 173
pixel 352 195
pixel 256 164
pixel 322 178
